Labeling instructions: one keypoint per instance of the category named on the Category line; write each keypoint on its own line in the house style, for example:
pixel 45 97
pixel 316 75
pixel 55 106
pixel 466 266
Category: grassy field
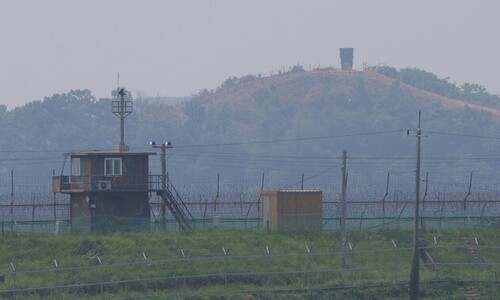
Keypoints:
pixel 247 265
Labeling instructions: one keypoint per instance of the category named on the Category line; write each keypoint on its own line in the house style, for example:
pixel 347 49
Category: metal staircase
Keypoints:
pixel 177 207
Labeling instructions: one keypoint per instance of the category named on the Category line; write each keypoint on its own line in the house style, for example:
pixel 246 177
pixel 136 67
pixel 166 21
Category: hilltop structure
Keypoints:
pixel 346 58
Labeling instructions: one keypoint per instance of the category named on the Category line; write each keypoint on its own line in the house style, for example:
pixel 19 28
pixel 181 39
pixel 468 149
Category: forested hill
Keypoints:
pixel 290 123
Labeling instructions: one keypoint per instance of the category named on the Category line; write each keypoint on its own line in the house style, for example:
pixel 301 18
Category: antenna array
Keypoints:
pixel 122 109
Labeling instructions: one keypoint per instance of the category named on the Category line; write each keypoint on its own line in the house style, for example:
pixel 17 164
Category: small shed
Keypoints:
pixel 292 210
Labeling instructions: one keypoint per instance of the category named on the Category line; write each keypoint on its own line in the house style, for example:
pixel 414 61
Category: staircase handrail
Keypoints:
pixel 177 197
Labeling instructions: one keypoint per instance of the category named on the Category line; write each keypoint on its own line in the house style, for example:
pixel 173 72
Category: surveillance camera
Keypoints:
pixel 168 144
pixel 152 143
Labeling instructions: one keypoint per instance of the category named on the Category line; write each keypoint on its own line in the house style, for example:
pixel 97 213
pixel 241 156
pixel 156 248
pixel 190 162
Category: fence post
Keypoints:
pixel 468 193
pixel 33 213
pixel 185 264
pixel 55 201
pixel 205 214
pixel 146 272
pixel 268 265
pixel 351 264
pixel 362 217
pixel 217 195
pixel 436 242
pixel 478 262
pixel 13 268
pixel 261 190
pixel 399 215
pixel 57 279
pixel 383 200
pixel 308 266
pixel 480 218
pixel 441 216
pixel 100 276
pixel 225 266
pixel 396 265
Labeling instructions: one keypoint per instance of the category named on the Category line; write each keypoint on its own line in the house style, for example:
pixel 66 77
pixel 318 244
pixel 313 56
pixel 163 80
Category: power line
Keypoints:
pixel 313 176
pixel 293 140
pixel 464 135
pixel 222 144
pixel 269 141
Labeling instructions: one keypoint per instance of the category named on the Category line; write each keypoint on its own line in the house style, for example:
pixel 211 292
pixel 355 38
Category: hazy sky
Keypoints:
pixel 176 48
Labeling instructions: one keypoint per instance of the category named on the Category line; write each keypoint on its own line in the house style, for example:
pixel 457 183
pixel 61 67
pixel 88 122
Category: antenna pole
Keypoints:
pixel 122 109
pixel 122 116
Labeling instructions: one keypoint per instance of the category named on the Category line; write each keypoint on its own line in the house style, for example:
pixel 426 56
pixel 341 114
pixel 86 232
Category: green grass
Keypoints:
pixel 379 270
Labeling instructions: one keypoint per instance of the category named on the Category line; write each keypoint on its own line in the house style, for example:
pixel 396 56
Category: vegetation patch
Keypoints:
pixel 244 265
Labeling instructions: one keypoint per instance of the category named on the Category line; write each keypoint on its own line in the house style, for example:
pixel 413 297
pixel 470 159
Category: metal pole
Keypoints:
pixel 225 266
pixel 14 279
pixel 122 117
pixel 343 210
pixel 261 190
pixel 468 193
pixel 11 200
pixel 302 185
pixel 54 201
pixel 163 159
pixel 308 266
pixel 146 271
pixel 386 192
pixel 100 276
pixel 216 194
pixel 423 200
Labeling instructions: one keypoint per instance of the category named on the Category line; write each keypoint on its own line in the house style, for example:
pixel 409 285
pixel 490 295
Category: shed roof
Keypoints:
pixel 291 191
pixel 107 153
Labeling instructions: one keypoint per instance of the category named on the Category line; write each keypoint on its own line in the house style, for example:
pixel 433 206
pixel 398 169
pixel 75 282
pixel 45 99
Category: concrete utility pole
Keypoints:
pixel 343 208
pixel 11 199
pixel 415 266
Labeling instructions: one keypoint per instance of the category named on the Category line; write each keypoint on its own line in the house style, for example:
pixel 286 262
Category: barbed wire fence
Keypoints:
pixel 383 200
pixel 267 272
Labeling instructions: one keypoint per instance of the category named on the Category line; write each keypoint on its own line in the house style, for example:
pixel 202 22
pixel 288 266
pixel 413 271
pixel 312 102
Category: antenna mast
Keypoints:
pixel 122 109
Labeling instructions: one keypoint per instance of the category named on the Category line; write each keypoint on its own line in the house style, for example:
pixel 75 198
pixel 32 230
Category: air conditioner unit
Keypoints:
pixel 104 185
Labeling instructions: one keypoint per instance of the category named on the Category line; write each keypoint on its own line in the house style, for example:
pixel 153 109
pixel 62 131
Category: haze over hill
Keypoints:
pixel 178 47
pixel 284 125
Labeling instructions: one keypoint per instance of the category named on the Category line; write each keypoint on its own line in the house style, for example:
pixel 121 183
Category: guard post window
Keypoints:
pixel 75 166
pixel 113 166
